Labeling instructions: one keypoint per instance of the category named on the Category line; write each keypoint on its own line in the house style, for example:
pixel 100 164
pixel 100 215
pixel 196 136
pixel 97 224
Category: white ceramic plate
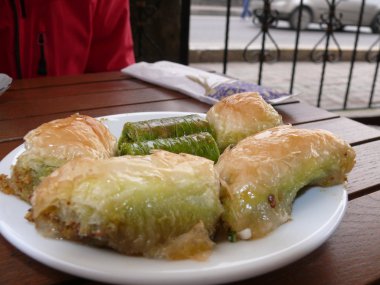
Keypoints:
pixel 316 214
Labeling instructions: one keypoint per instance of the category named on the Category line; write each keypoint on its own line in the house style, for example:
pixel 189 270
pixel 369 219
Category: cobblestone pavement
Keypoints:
pixel 308 78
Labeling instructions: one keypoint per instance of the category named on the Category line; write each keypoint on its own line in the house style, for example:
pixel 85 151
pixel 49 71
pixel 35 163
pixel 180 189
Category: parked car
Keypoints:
pixel 347 11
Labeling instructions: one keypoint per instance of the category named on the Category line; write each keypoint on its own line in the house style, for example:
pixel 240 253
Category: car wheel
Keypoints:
pixel 306 18
pixel 375 26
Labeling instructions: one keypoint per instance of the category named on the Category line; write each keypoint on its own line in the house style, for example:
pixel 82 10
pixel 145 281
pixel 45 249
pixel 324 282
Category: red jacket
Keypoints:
pixel 59 37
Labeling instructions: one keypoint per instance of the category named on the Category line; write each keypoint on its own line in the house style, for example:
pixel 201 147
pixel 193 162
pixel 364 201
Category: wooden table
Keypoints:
pixel 350 256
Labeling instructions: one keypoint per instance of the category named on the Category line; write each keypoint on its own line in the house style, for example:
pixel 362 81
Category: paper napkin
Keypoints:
pixel 201 85
pixel 5 82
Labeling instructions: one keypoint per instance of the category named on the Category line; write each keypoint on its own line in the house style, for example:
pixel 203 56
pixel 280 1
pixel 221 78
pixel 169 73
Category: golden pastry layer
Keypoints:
pixel 54 143
pixel 241 115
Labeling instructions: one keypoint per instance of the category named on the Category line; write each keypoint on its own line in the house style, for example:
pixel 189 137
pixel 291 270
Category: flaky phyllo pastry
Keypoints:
pixel 162 205
pixel 54 143
pixel 262 174
pixel 241 115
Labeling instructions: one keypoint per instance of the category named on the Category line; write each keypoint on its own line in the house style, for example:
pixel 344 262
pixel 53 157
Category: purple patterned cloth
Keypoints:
pixel 226 89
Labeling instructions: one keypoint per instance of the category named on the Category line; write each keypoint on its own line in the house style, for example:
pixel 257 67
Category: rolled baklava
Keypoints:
pixel 162 205
pixel 262 174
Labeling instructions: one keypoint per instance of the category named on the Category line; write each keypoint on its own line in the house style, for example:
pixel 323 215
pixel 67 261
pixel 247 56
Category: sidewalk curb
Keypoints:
pixel 207 10
pixel 236 55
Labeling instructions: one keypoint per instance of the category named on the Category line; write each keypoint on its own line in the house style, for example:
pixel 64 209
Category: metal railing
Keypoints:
pixel 329 23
